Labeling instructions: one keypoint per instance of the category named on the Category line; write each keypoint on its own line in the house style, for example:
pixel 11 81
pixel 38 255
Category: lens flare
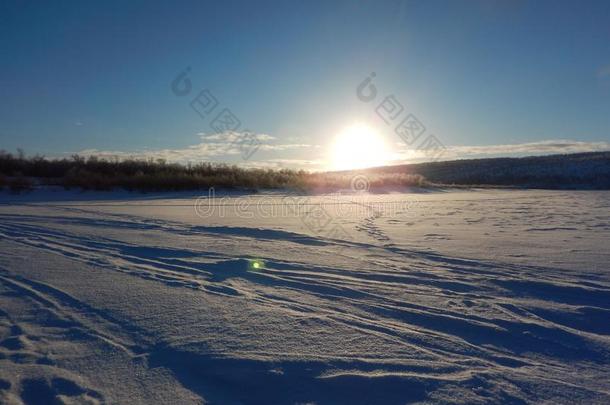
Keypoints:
pixel 256 264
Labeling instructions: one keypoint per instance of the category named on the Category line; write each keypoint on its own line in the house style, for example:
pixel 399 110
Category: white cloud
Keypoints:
pixel 307 164
pixel 232 136
pixel 224 147
pixel 550 146
pixel 404 154
pixel 221 146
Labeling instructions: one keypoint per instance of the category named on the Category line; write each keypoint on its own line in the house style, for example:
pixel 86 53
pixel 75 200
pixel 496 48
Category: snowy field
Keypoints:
pixel 480 296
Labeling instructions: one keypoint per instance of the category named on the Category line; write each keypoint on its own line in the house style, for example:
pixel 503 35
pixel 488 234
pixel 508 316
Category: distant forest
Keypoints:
pixel 21 173
pixel 578 170
pixel 582 171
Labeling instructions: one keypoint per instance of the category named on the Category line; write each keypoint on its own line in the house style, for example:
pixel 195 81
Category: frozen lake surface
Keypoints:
pixel 481 296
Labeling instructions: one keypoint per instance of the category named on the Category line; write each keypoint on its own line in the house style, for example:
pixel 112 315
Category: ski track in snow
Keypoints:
pixel 114 304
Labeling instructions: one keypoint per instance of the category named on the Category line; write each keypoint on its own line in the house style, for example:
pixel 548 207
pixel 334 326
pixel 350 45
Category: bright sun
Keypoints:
pixel 357 147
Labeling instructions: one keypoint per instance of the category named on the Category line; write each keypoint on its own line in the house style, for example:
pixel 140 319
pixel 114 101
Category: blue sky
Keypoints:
pixel 485 77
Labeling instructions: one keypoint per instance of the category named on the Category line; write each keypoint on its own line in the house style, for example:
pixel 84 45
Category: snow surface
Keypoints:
pixel 479 296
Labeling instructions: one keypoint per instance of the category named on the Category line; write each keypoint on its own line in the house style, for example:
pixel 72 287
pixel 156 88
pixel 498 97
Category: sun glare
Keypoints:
pixel 357 147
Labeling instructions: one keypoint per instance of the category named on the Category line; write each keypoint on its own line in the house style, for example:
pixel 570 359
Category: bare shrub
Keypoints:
pixel 20 183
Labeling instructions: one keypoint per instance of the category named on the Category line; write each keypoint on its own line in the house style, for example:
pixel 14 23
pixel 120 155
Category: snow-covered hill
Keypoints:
pixel 570 171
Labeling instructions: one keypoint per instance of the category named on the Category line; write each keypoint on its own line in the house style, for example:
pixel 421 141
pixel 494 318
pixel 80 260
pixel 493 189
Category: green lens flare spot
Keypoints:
pixel 256 265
